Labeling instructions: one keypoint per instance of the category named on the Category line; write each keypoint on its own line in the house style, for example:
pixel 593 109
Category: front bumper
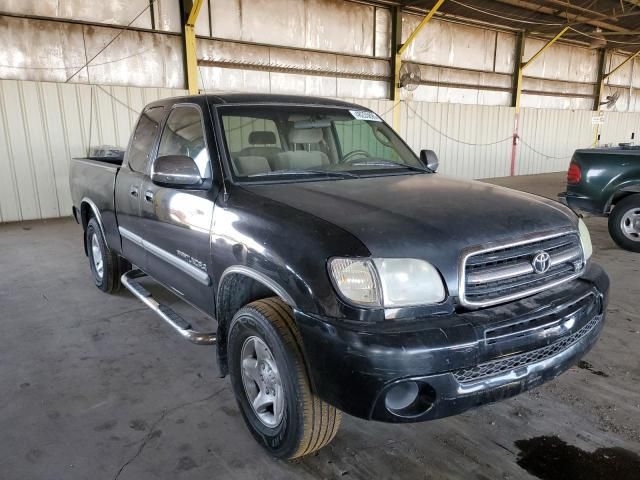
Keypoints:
pixel 457 361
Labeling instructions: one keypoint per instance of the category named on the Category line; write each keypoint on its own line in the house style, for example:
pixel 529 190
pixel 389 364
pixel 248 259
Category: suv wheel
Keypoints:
pixel 624 223
pixel 271 384
pixel 103 262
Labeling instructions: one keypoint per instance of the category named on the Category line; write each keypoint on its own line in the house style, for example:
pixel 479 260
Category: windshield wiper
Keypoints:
pixel 328 173
pixel 382 163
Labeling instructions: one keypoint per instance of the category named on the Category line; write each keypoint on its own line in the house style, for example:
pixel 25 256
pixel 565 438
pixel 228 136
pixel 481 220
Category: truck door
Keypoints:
pixel 128 192
pixel 178 221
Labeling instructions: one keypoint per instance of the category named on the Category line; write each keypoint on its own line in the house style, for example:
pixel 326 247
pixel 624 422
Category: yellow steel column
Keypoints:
pixel 523 65
pixel 396 92
pixel 397 59
pixel 191 15
pixel 518 90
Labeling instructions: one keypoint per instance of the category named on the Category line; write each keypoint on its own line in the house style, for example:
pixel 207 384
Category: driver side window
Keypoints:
pixel 183 134
pixel 359 135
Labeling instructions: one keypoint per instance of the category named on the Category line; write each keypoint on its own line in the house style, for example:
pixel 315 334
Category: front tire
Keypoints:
pixel 103 262
pixel 271 384
pixel 624 223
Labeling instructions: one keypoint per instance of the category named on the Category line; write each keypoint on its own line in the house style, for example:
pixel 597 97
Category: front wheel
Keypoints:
pixel 103 262
pixel 624 223
pixel 271 384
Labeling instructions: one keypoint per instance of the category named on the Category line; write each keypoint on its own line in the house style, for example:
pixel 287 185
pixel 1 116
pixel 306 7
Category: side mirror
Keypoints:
pixel 176 171
pixel 429 159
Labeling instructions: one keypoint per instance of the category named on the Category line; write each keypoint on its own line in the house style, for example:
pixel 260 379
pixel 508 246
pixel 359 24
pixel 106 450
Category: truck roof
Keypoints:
pixel 258 98
pixel 615 150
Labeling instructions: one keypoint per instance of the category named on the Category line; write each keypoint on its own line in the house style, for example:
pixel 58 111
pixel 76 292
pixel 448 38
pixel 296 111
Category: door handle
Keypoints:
pixel 133 191
pixel 148 196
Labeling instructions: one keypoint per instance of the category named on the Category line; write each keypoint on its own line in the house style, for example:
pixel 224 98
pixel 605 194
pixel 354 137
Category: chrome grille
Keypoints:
pixel 498 367
pixel 505 273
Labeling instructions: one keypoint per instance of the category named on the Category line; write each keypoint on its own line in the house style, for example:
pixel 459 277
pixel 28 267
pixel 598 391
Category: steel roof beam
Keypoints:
pixel 569 17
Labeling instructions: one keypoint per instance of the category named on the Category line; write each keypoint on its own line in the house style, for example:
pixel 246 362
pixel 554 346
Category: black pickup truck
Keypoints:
pixel 343 273
pixel 606 182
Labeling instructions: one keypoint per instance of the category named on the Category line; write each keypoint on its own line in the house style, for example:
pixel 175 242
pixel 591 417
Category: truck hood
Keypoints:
pixel 427 216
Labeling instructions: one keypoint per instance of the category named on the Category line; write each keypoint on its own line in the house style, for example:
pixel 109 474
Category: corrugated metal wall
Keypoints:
pixel 549 137
pixel 43 125
pixel 475 141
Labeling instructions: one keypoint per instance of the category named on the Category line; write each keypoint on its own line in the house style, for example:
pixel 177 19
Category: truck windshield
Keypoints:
pixel 291 142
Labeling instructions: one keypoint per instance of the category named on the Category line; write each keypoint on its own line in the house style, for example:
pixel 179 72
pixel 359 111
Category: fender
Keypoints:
pixel 628 186
pixel 223 319
pixel 96 214
pixel 260 277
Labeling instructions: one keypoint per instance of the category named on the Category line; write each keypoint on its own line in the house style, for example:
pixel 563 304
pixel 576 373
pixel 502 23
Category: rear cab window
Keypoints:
pixel 144 137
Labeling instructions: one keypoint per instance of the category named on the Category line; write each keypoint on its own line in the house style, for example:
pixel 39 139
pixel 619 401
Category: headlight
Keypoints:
pixel 388 282
pixel 585 239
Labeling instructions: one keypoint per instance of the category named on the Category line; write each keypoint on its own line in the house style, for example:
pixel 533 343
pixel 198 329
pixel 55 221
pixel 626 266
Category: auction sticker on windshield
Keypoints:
pixel 364 115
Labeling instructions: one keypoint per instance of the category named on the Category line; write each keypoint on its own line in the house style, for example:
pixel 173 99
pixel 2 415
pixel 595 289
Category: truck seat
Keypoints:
pixel 263 144
pixel 302 159
pixel 250 164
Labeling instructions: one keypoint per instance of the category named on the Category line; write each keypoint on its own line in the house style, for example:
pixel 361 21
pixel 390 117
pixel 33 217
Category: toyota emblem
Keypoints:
pixel 541 262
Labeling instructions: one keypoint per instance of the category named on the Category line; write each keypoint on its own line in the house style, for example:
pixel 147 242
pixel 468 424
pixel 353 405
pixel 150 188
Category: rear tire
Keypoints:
pixel 624 223
pixel 104 264
pixel 264 344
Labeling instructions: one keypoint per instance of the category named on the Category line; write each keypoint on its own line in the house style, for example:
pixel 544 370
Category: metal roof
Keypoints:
pixel 594 22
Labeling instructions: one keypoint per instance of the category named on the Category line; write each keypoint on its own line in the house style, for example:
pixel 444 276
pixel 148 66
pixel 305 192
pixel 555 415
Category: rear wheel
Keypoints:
pixel 103 262
pixel 271 384
pixel 624 223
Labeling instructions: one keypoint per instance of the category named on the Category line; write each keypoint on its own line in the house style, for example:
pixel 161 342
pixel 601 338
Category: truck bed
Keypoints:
pixel 93 181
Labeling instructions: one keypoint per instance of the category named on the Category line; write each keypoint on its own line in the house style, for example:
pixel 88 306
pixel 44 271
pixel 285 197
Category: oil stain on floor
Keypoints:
pixel 587 366
pixel 550 458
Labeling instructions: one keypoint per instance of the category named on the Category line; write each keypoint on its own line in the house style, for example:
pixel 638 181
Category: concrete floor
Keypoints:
pixel 95 386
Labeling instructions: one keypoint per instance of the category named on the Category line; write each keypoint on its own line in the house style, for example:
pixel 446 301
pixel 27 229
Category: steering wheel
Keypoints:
pixel 348 157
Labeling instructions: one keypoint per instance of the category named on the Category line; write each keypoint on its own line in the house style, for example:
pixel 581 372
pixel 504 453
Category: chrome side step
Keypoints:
pixel 178 323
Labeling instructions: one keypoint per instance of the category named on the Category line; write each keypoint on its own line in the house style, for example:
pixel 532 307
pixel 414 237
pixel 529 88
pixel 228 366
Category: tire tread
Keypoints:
pixel 112 262
pixel 321 420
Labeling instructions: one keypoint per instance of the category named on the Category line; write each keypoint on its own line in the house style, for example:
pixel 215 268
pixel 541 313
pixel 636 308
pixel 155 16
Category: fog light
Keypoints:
pixel 409 399
pixel 401 396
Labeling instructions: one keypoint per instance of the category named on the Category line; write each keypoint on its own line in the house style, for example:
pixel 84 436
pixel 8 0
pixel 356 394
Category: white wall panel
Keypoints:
pixel 471 141
pixel 562 62
pixel 111 12
pixel 548 139
pixel 116 12
pixel 50 51
pixel 331 25
pixel 450 44
pixel 620 127
pixel 383 33
pixel 43 125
